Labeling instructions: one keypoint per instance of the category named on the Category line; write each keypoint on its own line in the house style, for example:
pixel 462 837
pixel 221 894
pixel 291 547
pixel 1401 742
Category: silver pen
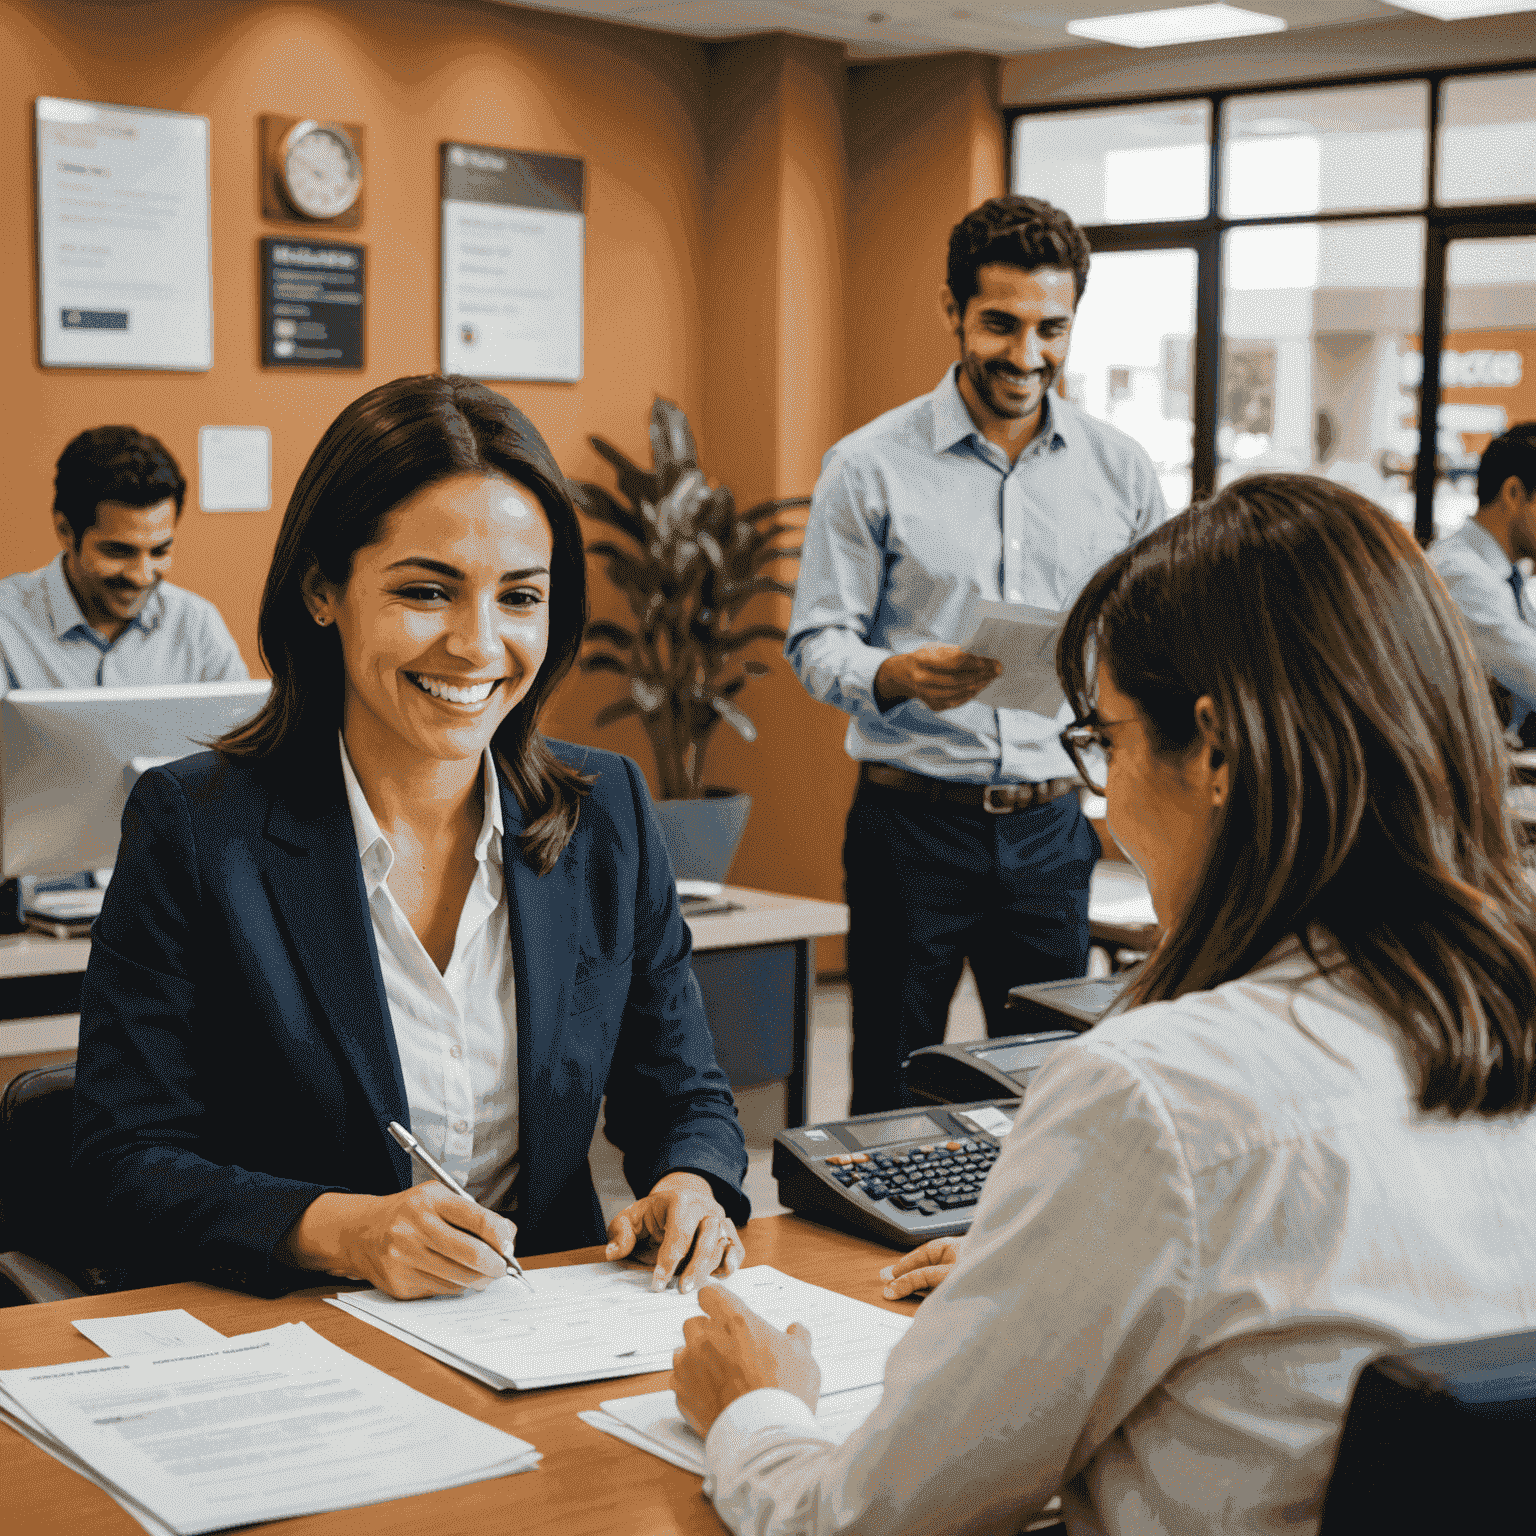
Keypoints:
pixel 445 1178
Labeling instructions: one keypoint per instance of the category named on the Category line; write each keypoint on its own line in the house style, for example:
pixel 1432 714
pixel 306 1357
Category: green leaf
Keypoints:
pixel 601 505
pixel 733 717
pixel 740 595
pixel 602 661
pixel 756 669
pixel 611 712
pixel 614 634
pixel 768 508
pixel 634 482
pixel 672 446
pixel 725 644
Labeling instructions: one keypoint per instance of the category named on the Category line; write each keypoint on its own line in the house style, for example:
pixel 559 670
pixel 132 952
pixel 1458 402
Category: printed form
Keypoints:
pixel 260 1427
pixel 589 1322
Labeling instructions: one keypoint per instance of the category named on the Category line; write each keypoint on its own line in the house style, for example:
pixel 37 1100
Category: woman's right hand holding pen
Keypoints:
pixel 424 1241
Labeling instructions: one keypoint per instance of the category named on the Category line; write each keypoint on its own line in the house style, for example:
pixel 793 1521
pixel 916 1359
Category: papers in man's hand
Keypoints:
pixel 590 1322
pixel 260 1427
pixel 1024 640
pixel 146 1332
pixel 652 1423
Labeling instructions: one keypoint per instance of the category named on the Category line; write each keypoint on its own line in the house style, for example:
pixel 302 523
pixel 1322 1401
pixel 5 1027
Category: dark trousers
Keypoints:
pixel 931 885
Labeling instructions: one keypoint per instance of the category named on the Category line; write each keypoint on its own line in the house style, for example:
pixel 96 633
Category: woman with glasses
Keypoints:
pixel 1307 1139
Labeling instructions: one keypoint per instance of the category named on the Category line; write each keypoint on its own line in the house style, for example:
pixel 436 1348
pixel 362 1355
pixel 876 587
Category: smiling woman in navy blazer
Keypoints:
pixel 389 897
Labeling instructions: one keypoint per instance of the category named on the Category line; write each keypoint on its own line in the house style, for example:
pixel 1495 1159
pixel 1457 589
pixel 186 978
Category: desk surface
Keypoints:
pixel 588 1482
pixel 765 918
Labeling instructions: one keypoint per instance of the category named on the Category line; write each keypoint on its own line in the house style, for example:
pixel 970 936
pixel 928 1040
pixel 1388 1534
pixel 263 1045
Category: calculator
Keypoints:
pixel 900 1177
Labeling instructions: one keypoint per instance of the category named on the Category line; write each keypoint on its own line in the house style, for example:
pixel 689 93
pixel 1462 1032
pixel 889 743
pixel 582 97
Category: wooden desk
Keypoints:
pixel 588 1482
pixel 39 977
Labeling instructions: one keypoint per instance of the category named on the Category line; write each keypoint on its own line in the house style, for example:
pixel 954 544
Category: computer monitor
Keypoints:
pixel 72 754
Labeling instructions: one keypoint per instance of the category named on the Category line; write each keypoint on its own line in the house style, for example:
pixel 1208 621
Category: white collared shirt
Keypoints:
pixel 1209 1215
pixel 1476 572
pixel 45 642
pixel 456 1030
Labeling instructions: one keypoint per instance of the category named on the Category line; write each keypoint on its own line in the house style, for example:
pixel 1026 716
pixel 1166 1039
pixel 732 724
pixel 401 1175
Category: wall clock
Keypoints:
pixel 312 171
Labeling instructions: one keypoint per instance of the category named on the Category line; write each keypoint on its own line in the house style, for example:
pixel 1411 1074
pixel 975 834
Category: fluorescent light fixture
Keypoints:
pixel 1460 10
pixel 1182 24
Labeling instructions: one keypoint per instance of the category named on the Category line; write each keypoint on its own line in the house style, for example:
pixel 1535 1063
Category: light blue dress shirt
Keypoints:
pixel 1476 573
pixel 916 517
pixel 45 642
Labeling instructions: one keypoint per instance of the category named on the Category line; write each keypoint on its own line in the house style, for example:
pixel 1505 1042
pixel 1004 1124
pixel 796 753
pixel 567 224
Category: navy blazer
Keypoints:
pixel 237 1057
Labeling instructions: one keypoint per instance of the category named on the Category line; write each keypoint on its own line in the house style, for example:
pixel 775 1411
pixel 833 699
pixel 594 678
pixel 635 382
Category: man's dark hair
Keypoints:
pixel 1512 453
pixel 113 464
pixel 1023 232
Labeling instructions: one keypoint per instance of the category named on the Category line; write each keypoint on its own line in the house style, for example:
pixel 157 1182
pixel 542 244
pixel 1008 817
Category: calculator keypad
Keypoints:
pixel 927 1178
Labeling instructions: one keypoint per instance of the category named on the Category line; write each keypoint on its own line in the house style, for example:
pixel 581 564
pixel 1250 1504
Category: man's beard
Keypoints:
pixel 982 377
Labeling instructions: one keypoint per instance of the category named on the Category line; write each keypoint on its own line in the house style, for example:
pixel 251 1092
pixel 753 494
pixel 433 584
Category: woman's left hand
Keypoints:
pixel 680 1213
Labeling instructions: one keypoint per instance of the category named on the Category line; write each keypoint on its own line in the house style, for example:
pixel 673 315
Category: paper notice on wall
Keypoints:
pixel 234 469
pixel 513 259
pixel 123 237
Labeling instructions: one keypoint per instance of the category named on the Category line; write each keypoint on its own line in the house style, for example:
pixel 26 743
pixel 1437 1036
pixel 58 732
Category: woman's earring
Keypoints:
pixel 321 620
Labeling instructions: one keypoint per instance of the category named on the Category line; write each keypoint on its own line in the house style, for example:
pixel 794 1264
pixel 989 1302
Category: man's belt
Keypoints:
pixel 998 799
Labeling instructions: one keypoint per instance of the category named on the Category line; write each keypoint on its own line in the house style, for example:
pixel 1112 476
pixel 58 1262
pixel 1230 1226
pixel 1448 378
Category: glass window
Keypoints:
pixel 1328 151
pixel 1487 151
pixel 1487 363
pixel 1118 167
pixel 1132 356
pixel 1317 319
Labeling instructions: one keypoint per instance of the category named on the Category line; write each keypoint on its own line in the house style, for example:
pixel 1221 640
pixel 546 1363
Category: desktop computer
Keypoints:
pixel 70 757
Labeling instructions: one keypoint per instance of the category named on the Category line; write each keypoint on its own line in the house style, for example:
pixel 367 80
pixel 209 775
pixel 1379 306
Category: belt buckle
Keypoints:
pixel 999 810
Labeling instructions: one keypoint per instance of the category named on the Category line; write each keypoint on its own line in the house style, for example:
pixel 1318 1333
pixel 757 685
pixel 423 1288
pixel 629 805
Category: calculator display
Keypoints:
pixel 877 1133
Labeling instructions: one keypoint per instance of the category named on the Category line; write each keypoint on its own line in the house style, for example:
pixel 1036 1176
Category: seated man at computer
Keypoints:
pixel 1477 565
pixel 102 614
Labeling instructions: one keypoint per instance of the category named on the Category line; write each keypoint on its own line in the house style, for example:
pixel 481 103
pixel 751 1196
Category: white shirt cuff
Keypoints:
pixel 725 1447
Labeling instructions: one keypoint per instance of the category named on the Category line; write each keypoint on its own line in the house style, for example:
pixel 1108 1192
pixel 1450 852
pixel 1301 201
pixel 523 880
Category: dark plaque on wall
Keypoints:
pixel 311 304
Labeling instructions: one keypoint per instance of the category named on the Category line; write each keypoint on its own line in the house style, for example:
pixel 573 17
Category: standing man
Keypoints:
pixel 966 840
pixel 102 614
pixel 1477 565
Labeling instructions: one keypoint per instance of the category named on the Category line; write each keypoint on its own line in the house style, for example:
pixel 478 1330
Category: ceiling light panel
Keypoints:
pixel 1182 24
pixel 1461 10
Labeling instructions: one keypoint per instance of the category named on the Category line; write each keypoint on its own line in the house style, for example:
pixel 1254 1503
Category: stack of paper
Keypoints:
pixel 652 1423
pixel 260 1427
pixel 1024 640
pixel 590 1322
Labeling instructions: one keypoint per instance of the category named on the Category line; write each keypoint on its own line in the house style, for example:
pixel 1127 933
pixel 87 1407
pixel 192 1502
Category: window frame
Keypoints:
pixel 1204 236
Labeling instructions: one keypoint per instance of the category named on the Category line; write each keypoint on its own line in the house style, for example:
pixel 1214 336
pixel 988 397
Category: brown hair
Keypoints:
pixel 1367 768
pixel 383 448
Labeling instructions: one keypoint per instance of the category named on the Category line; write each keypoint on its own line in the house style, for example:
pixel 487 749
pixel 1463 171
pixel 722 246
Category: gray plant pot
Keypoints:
pixel 702 835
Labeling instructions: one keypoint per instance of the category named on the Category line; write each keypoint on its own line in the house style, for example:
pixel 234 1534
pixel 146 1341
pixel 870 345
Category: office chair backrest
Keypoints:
pixel 1437 1440
pixel 37 1212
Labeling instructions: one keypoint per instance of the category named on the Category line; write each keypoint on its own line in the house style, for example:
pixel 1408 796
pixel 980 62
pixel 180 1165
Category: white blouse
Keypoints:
pixel 1209 1215
pixel 455 1030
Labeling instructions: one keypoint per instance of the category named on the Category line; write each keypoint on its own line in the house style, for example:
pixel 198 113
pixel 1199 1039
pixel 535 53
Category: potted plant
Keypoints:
pixel 690 564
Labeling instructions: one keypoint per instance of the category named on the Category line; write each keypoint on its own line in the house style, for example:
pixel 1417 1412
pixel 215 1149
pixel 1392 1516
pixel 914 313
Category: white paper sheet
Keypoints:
pixel 591 1322
pixel 1024 640
pixel 651 1422
pixel 234 469
pixel 147 1332
pixel 261 1427
pixel 124 251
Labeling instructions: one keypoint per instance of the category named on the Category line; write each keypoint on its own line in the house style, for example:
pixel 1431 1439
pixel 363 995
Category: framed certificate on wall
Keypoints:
pixel 514 236
pixel 124 264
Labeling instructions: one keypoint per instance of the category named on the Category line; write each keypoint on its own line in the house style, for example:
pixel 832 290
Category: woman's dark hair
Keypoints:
pixel 1016 231
pixel 1367 769
pixel 385 447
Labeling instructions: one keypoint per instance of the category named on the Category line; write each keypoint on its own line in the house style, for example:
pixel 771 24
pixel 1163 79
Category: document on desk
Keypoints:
pixel 144 1332
pixel 590 1322
pixel 260 1427
pixel 651 1422
pixel 1024 640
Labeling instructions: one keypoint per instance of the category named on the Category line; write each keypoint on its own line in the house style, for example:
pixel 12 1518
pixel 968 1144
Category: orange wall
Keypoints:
pixel 765 239
pixel 414 73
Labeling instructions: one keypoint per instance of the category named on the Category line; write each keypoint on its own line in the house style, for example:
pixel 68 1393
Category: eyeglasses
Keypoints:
pixel 1084 744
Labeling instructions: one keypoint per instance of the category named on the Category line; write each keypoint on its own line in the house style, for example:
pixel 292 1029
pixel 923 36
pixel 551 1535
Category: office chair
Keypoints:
pixel 1435 1441
pixel 38 1256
